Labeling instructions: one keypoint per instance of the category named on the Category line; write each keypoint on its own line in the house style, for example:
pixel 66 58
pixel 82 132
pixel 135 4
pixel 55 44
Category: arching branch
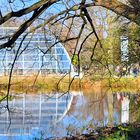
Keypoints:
pixel 121 9
pixel 26 24
pixel 25 10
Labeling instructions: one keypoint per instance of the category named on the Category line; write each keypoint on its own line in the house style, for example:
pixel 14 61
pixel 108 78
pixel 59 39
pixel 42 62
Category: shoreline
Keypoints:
pixel 63 84
pixel 119 132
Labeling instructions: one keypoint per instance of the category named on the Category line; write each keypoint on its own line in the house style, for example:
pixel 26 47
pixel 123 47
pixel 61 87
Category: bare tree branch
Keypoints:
pixel 26 10
pixel 25 25
pixel 120 8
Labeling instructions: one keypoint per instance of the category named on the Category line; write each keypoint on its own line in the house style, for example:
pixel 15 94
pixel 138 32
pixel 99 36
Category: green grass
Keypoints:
pixel 129 132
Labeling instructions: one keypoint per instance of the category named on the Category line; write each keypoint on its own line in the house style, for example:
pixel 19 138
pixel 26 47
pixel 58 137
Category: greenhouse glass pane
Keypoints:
pixel 28 64
pixel 62 57
pixel 59 50
pixel 34 54
pixel 2 58
pixel 31 57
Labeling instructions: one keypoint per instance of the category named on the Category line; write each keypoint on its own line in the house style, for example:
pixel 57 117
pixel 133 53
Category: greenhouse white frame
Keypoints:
pixel 39 53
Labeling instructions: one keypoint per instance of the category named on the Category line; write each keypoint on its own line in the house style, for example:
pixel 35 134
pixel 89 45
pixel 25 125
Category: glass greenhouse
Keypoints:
pixel 38 53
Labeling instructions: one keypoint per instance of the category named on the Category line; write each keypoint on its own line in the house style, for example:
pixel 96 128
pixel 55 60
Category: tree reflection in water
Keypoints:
pixel 53 115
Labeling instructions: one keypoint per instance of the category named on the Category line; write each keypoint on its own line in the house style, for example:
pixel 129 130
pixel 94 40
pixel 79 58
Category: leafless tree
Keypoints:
pixel 130 10
pixel 38 15
pixel 70 21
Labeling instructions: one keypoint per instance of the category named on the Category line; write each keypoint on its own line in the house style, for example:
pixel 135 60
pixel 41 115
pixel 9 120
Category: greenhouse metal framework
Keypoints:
pixel 39 53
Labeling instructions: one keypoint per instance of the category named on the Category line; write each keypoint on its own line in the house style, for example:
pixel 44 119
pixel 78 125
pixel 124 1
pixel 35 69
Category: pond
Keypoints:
pixel 56 115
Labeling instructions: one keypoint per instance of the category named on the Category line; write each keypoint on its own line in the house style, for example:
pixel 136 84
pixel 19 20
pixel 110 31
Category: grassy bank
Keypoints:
pixel 47 83
pixel 123 84
pixel 60 83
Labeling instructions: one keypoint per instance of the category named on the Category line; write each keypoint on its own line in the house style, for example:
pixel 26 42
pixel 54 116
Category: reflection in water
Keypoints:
pixel 124 100
pixel 54 115
pixel 33 112
pixel 98 109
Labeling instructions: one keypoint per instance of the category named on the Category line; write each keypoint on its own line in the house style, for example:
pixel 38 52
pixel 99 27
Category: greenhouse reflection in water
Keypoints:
pixel 59 114
pixel 29 113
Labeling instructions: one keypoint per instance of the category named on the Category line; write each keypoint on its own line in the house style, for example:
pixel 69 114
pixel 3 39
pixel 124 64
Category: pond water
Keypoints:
pixel 56 115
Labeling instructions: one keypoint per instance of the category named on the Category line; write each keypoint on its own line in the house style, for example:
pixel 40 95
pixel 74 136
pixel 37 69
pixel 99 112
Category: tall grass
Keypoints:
pixel 58 83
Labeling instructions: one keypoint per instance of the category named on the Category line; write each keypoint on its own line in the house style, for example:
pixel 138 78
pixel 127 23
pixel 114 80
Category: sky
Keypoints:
pixel 17 5
pixel 55 8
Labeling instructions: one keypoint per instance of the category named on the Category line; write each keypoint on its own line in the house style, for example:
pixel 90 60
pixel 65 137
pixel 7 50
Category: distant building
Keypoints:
pixel 124 49
pixel 39 53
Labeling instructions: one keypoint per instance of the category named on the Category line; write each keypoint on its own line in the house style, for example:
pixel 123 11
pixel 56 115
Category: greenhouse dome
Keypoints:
pixel 38 53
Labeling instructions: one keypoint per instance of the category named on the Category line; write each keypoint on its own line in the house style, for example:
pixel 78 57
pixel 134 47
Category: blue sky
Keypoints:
pixel 17 5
